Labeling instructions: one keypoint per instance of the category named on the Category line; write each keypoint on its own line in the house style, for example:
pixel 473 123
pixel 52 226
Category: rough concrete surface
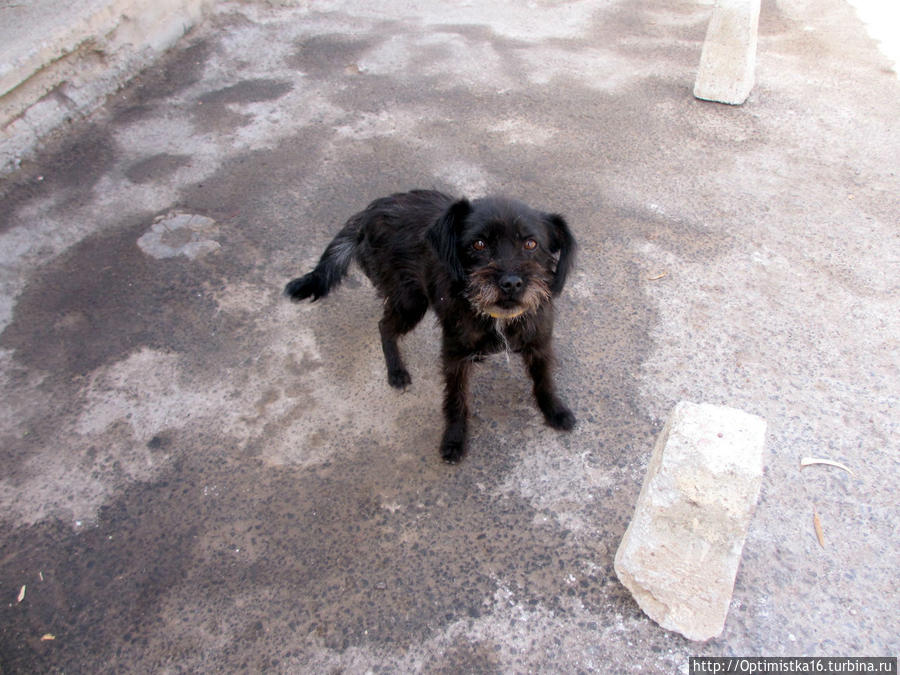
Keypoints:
pixel 200 476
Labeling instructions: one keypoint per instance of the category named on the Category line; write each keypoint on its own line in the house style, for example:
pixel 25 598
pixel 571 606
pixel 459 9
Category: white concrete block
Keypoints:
pixel 680 554
pixel 728 60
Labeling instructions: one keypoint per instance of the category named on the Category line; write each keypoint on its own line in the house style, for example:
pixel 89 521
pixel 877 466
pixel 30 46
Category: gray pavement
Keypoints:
pixel 199 476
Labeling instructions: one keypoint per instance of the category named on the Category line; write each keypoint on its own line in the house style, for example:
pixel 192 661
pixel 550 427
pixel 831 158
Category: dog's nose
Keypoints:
pixel 511 283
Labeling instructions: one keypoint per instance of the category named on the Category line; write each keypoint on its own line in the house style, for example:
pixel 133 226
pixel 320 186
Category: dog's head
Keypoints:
pixel 510 257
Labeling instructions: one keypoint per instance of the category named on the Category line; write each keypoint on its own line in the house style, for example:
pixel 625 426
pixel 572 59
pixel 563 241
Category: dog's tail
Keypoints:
pixel 332 265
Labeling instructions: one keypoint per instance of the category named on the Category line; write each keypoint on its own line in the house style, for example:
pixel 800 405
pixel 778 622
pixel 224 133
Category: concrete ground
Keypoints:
pixel 200 476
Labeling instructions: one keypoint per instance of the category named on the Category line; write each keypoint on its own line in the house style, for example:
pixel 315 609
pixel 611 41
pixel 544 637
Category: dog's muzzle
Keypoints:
pixel 508 296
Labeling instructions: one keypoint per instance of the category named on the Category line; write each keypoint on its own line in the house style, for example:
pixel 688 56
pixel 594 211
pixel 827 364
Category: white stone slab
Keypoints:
pixel 681 551
pixel 728 60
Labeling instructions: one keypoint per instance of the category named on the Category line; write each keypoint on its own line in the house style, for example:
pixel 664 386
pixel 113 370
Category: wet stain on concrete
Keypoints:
pixel 104 298
pixel 66 171
pixel 148 92
pixel 247 91
pixel 77 578
pixel 323 56
pixel 80 163
pixel 213 114
pixel 156 167
pixel 28 184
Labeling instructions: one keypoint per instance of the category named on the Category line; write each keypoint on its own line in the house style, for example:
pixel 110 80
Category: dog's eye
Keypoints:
pixel 479 245
pixel 530 244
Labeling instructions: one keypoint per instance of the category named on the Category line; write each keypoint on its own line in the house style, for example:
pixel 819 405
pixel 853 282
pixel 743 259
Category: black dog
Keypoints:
pixel 489 268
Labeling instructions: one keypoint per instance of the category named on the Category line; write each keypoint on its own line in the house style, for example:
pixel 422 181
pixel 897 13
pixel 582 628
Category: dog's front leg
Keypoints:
pixel 555 411
pixel 456 408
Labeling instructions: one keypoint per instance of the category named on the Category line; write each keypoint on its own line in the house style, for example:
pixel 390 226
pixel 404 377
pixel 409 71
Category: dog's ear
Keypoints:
pixel 443 236
pixel 562 242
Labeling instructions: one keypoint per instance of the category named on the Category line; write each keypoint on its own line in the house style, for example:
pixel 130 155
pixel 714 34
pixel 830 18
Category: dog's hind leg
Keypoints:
pixel 400 317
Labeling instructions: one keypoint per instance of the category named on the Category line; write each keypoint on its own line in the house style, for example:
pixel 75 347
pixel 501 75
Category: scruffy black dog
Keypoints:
pixel 489 268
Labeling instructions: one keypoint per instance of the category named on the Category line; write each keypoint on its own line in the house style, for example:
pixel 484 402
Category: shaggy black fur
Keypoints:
pixel 489 268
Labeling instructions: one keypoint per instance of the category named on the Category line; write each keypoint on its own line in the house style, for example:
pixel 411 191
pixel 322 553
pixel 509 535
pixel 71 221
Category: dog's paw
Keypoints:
pixel 561 418
pixel 399 378
pixel 452 451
